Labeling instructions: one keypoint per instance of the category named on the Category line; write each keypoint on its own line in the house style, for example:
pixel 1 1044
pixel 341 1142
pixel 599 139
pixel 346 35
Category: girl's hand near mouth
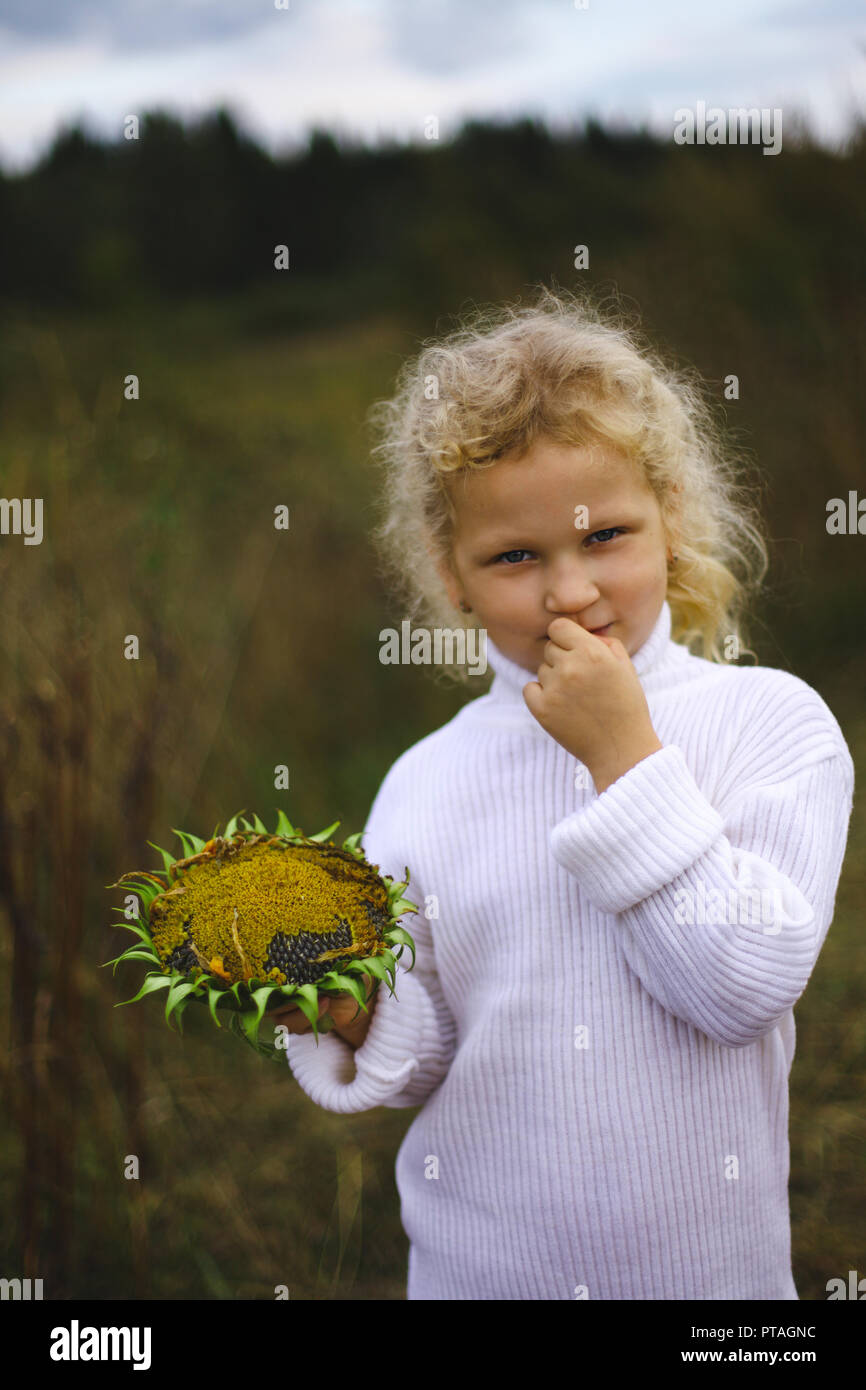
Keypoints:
pixel 589 699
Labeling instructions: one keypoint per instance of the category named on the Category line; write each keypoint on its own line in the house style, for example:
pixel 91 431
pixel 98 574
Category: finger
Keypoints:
pixel 567 634
pixel 285 1006
pixel 280 1009
pixel 545 671
pixel 292 1010
pixel 293 1024
pixel 552 651
pixel 287 1020
pixel 532 694
pixel 296 1021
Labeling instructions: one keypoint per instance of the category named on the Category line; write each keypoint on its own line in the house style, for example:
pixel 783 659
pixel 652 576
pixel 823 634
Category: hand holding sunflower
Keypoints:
pixel 251 921
pixel 349 1021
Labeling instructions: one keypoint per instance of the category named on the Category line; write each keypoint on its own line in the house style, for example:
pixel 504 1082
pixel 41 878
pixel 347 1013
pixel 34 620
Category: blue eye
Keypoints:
pixel 608 533
pixel 506 553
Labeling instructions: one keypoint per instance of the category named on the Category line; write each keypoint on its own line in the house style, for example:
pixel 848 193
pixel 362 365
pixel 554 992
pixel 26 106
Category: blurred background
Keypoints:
pixel 416 161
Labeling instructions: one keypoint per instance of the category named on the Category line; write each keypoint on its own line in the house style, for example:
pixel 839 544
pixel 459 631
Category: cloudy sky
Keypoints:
pixel 378 68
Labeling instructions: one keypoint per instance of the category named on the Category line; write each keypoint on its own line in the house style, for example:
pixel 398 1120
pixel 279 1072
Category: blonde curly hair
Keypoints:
pixel 568 369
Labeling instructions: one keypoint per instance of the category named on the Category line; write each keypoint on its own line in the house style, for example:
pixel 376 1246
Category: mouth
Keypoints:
pixel 594 632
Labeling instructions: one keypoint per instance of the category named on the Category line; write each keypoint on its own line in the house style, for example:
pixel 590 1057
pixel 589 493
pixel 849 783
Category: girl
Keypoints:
pixel 626 854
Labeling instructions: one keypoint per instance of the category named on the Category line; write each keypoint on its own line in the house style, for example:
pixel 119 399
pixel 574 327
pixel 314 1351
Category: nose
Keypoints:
pixel 570 588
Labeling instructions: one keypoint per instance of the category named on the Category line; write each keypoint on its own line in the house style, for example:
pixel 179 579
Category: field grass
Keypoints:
pixel 259 648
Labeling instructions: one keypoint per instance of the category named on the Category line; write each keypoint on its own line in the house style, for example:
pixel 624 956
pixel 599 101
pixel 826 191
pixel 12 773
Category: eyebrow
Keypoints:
pixel 495 547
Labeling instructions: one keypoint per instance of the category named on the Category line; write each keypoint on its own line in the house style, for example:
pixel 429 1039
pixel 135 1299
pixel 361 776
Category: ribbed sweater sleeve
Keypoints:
pixel 672 870
pixel 412 1035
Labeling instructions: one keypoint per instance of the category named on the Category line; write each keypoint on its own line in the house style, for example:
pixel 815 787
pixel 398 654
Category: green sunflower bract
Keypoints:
pixel 249 918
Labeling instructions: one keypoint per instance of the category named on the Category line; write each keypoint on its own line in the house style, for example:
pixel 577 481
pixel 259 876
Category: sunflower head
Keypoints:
pixel 249 916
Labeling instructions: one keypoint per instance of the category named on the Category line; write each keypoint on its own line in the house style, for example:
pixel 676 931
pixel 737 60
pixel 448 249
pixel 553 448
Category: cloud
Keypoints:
pixel 808 14
pixel 133 24
pixel 441 37
pixel 378 68
pixel 432 36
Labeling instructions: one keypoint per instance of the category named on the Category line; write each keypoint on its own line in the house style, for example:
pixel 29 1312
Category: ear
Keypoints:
pixel 675 515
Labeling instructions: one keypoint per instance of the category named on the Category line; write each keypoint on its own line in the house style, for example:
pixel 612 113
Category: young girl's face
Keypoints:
pixel 521 556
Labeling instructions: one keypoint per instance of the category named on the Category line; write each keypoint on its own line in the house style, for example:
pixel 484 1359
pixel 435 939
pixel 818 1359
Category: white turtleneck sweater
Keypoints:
pixel 600 1043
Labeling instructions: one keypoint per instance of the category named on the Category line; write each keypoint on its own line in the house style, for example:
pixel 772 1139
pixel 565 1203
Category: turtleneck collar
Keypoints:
pixel 509 678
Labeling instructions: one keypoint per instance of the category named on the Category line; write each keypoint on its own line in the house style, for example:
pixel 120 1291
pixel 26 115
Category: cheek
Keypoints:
pixel 507 588
pixel 638 586
pixel 636 573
